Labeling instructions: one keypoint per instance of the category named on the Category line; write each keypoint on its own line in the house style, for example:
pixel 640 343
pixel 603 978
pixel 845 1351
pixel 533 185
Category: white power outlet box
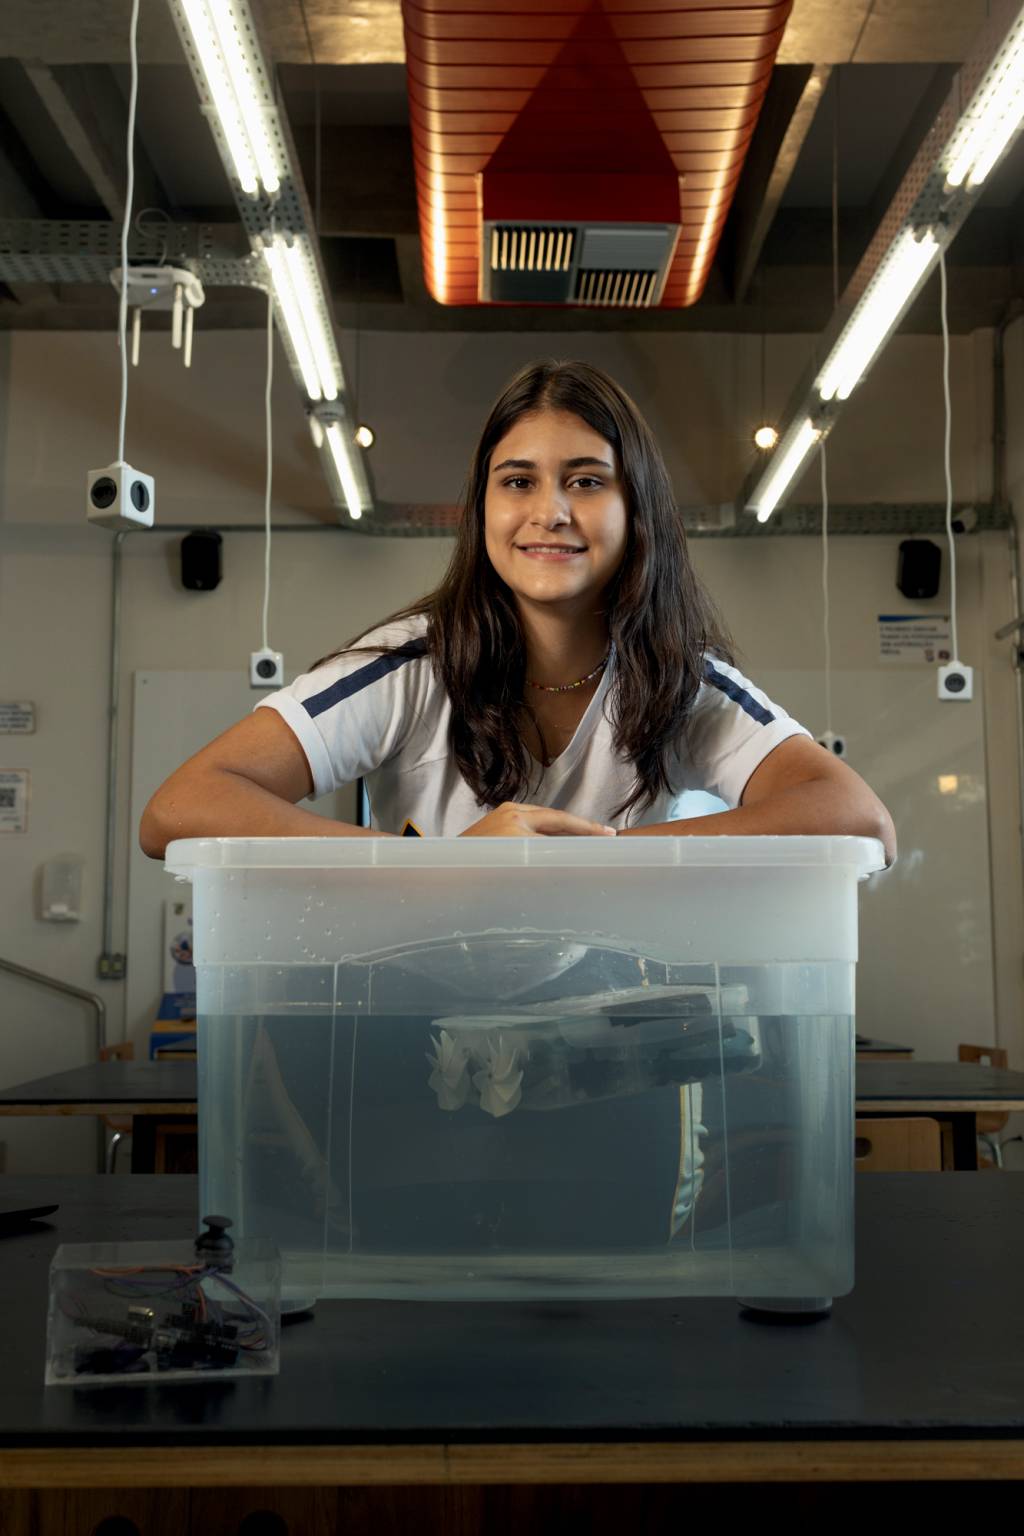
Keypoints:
pixel 956 682
pixel 266 669
pixel 120 497
pixel 833 743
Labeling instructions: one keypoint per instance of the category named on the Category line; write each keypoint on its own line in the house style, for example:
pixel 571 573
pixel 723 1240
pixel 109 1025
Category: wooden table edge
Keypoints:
pixel 937 1106
pixel 743 1461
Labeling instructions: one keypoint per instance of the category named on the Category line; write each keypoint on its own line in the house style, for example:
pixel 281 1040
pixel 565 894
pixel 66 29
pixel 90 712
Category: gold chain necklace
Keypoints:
pixel 568 687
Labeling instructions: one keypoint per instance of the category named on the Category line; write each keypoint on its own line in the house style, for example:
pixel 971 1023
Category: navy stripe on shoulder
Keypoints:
pixel 740 696
pixel 355 682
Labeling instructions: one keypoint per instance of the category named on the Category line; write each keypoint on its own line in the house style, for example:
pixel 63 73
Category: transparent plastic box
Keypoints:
pixel 129 1313
pixel 529 1068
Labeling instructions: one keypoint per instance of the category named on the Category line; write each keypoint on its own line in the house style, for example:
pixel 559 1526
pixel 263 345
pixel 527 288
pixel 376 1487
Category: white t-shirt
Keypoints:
pixel 386 719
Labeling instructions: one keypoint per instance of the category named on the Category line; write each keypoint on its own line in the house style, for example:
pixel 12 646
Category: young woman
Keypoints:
pixel 568 677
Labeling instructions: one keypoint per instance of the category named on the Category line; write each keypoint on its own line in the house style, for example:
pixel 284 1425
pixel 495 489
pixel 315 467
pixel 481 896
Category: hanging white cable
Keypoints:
pixel 824 591
pixel 269 420
pixel 947 452
pixel 122 320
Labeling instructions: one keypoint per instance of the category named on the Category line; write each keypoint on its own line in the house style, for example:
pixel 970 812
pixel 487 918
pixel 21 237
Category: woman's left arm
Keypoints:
pixel 799 788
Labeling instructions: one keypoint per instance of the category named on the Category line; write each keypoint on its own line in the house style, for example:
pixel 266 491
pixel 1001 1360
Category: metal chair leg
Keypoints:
pixel 112 1151
pixel 994 1145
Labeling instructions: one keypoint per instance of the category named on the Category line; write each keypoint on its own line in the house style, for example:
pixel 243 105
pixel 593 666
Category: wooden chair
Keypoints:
pixel 910 1145
pixel 988 1126
pixel 122 1050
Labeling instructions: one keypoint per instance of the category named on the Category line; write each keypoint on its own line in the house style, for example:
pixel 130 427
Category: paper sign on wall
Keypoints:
pixel 914 637
pixel 17 719
pixel 13 800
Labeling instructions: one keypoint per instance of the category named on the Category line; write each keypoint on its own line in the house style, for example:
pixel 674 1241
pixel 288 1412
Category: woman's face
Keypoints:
pixel 555 517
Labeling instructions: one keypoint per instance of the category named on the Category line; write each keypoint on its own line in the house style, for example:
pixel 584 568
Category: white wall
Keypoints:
pixel 201 435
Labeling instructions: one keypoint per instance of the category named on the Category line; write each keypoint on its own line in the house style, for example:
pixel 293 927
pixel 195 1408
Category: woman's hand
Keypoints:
pixel 514 820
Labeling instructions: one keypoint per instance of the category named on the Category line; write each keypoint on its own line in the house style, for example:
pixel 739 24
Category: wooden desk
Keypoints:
pixel 159 1095
pixel 467 1418
pixel 951 1091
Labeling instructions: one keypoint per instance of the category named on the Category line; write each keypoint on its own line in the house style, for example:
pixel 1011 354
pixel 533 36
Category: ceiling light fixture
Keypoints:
pixel 305 286
pixel 765 438
pixel 239 93
pixel 992 116
pixel 939 189
pixel 294 324
pixel 364 435
pixel 879 310
pixel 221 43
pixel 790 455
pixel 301 308
pixel 331 430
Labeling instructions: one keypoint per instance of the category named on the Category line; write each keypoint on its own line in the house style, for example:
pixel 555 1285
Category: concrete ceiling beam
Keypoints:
pixel 86 107
pixel 790 108
pixel 370 31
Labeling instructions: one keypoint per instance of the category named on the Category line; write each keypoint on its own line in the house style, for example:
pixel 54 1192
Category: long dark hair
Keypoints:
pixel 660 617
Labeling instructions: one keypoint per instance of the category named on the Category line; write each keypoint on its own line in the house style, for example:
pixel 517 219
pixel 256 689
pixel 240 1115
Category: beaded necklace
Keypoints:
pixel 568 687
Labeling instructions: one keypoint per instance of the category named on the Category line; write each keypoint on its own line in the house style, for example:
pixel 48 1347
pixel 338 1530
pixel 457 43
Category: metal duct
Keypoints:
pixel 552 126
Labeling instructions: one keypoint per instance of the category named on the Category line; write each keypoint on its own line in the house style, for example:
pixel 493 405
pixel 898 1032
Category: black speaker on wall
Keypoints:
pixel 919 568
pixel 200 560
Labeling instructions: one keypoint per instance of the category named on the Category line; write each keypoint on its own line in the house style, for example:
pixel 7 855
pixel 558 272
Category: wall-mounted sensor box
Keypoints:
pixel 61 890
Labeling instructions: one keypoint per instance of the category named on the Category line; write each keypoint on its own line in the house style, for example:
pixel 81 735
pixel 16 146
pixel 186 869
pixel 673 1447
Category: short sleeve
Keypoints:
pixel 732 729
pixel 352 714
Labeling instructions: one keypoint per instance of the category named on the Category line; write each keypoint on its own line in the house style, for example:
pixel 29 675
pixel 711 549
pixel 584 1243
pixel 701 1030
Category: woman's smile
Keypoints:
pixel 556 552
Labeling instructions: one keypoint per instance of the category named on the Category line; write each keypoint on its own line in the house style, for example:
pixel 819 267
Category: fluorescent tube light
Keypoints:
pixel 876 313
pixel 292 316
pixel 298 291
pixel 218 85
pixel 794 449
pixel 307 293
pixel 334 440
pixel 991 117
pixel 248 90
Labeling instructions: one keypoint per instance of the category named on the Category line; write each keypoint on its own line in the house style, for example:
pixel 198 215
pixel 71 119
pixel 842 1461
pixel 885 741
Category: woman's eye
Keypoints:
pixel 587 482
pixel 516 482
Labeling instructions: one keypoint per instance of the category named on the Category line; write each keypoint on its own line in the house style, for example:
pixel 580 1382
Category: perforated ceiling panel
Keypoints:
pixel 549 113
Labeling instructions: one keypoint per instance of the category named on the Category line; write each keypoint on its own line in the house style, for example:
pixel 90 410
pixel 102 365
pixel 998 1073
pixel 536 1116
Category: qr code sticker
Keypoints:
pixel 8 799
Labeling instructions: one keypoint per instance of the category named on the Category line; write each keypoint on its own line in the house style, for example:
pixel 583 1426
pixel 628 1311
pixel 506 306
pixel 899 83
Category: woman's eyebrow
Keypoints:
pixel 567 464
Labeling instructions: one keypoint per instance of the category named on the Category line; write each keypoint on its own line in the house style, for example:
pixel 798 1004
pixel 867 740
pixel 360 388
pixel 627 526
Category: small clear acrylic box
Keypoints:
pixel 164 1311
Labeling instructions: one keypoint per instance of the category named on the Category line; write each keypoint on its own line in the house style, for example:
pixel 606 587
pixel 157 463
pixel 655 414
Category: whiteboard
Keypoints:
pixel 925 976
pixel 174 714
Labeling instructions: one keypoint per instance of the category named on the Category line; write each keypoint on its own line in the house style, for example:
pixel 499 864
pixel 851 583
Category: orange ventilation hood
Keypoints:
pixel 581 151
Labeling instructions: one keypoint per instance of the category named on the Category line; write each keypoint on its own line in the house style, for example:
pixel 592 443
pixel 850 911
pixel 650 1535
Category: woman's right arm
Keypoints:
pixel 244 784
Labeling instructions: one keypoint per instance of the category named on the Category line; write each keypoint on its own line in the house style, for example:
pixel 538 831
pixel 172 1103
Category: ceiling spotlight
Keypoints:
pixel 364 436
pixel 765 438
